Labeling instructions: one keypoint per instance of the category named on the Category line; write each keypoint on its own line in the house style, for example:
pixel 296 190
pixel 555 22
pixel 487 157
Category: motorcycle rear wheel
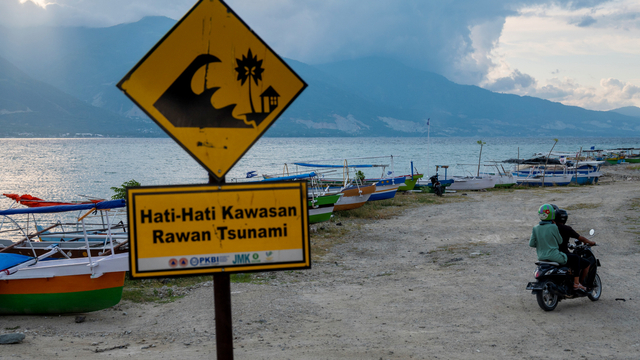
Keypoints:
pixel 546 299
pixel 596 290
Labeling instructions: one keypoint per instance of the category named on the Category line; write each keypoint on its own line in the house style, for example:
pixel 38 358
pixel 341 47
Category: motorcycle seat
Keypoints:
pixel 547 263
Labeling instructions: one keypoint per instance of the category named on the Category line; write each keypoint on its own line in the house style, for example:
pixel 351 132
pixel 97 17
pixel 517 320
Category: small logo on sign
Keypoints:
pixel 183 262
pixel 173 263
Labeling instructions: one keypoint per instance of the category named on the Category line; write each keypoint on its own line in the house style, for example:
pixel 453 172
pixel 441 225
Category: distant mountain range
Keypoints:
pixel 30 108
pixel 65 85
pixel 628 110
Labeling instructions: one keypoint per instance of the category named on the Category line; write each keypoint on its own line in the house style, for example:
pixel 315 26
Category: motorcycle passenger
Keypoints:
pixel 546 238
pixel 567 232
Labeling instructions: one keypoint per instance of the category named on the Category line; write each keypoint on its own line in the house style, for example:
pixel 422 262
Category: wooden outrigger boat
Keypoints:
pixel 354 197
pixel 584 170
pixel 321 207
pixel 503 177
pixel 386 187
pixel 43 284
pixel 472 182
pixel 67 236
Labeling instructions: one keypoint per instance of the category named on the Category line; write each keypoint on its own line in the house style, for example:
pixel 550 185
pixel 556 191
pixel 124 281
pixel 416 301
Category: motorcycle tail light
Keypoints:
pixel 537 274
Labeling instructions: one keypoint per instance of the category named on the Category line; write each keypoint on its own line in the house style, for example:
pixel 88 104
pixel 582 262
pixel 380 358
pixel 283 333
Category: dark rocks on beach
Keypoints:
pixel 80 319
pixel 14 338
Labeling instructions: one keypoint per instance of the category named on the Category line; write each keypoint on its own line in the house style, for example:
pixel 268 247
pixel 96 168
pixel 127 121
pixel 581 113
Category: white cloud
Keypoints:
pixel 609 94
pixel 42 3
pixel 92 13
pixel 590 47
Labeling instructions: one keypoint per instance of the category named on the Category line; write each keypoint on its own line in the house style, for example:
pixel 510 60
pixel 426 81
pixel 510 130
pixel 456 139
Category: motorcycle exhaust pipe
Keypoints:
pixel 556 290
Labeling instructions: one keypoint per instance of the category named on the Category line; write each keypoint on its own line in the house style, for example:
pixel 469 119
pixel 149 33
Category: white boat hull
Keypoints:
pixel 472 183
pixel 69 267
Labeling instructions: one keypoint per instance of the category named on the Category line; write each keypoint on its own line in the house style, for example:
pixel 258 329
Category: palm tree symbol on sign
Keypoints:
pixel 250 68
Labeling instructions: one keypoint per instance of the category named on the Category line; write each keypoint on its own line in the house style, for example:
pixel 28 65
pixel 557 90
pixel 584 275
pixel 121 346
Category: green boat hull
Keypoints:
pixel 321 208
pixel 325 200
pixel 320 214
pixel 410 183
pixel 59 303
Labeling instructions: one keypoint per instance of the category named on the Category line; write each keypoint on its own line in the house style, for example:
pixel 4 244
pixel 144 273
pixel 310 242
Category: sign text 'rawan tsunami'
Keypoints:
pixel 180 230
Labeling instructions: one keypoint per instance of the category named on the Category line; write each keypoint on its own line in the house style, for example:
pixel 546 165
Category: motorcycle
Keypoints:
pixel 555 282
pixel 435 184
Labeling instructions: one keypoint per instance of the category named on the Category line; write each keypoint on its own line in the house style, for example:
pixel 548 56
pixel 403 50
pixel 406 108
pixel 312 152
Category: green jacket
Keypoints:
pixel 546 238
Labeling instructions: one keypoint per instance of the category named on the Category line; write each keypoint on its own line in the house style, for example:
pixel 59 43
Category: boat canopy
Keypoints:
pixel 9 260
pixel 292 177
pixel 338 166
pixel 103 205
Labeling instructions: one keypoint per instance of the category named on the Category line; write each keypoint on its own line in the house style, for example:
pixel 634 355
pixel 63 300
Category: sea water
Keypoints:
pixel 68 169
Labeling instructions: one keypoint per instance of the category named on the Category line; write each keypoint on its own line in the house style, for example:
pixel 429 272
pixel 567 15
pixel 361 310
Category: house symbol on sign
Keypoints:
pixel 272 99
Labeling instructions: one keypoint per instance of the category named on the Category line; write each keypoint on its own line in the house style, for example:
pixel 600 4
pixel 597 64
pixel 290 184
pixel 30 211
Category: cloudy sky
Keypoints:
pixel 582 52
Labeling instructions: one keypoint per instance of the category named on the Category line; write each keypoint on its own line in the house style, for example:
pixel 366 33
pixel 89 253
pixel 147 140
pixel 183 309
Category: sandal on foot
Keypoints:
pixel 579 287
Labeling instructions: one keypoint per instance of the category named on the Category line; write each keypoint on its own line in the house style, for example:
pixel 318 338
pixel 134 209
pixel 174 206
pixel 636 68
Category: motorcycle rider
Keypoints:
pixel 546 238
pixel 567 232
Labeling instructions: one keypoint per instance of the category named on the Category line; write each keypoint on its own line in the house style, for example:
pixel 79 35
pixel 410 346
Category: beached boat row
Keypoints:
pixel 329 193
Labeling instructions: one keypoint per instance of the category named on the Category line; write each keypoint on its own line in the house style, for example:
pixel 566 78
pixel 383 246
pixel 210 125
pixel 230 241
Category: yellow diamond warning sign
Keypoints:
pixel 213 85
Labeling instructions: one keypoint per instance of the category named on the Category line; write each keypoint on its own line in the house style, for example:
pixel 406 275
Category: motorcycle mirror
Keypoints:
pixel 591 232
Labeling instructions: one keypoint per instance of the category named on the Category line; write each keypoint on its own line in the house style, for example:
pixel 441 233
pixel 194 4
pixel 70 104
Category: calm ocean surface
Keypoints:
pixel 63 169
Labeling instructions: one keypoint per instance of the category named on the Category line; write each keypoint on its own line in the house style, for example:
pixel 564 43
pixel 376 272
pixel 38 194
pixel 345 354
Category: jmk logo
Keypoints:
pixel 242 259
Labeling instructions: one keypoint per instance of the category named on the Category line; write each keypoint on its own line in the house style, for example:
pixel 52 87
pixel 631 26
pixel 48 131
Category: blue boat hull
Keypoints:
pixel 585 180
pixel 547 184
pixel 382 196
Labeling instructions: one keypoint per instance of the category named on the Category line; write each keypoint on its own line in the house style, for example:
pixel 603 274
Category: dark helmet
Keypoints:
pixel 561 214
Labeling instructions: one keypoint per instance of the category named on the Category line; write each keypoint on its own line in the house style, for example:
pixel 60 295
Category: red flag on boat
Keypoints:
pixel 32 201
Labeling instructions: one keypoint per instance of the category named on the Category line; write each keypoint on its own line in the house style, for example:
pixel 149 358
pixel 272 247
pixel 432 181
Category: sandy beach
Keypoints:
pixel 442 280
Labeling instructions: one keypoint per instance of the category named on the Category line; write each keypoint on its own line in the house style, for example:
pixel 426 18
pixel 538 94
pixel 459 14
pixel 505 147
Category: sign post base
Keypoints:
pixel 224 326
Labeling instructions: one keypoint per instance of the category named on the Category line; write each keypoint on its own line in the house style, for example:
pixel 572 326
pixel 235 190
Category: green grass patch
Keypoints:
pixel 582 206
pixel 165 290
pixel 329 234
pixel 386 209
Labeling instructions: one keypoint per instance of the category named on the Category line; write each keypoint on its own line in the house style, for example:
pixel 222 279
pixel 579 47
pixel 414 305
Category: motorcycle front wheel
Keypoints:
pixel 546 299
pixel 596 289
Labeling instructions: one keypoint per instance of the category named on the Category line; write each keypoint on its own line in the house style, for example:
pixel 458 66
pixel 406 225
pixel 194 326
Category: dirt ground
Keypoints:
pixel 444 281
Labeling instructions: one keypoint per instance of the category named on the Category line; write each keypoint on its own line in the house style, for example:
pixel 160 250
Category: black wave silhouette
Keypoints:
pixel 184 108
